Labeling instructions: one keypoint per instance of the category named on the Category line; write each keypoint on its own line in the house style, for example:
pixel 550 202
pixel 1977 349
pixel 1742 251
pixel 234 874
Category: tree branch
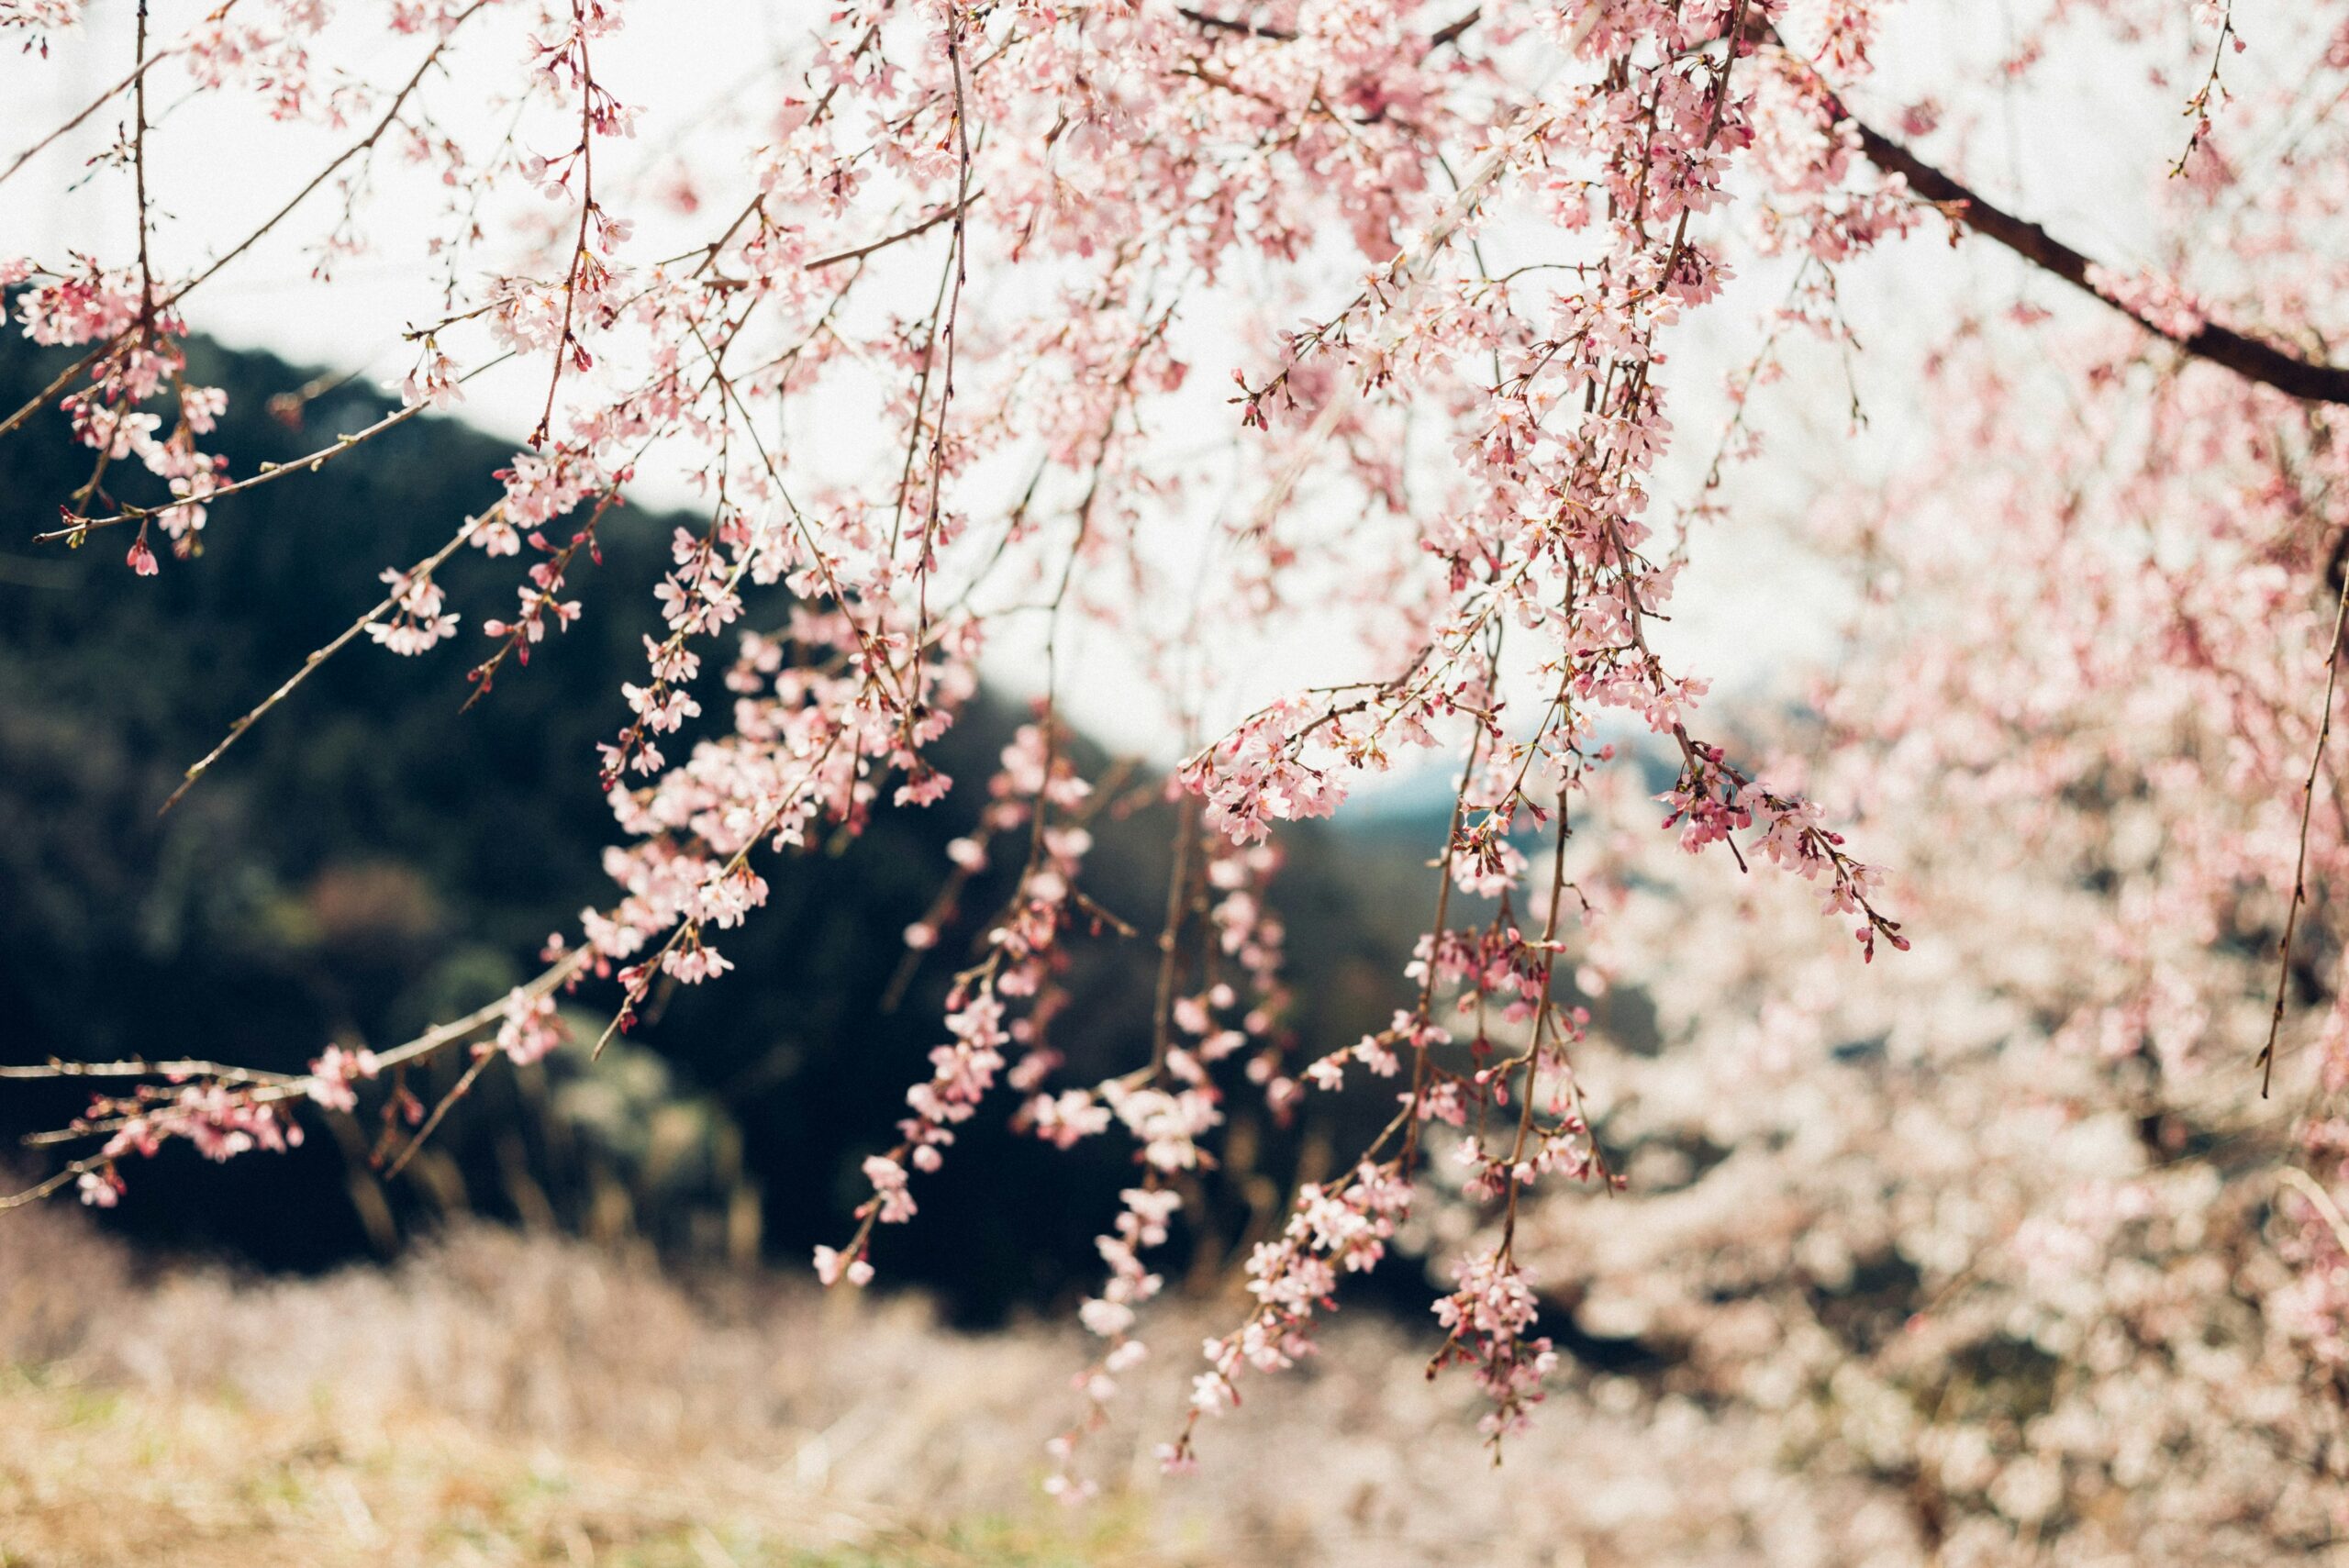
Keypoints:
pixel 1215 24
pixel 2248 357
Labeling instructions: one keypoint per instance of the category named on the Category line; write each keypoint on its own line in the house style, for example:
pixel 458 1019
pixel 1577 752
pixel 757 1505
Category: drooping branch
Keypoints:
pixel 2249 357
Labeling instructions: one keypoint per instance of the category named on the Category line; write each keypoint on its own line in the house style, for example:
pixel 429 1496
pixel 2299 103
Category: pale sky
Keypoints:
pixel 1750 612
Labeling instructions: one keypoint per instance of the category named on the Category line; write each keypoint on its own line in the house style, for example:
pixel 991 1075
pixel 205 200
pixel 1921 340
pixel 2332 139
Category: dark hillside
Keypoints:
pixel 367 860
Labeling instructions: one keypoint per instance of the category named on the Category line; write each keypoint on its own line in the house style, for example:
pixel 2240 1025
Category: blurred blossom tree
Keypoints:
pixel 1437 253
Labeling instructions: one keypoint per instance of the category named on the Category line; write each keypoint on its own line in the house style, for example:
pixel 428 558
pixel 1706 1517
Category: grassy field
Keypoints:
pixel 503 1399
pixel 104 1476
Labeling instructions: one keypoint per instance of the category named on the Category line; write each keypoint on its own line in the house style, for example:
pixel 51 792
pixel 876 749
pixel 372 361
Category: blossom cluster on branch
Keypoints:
pixel 1444 255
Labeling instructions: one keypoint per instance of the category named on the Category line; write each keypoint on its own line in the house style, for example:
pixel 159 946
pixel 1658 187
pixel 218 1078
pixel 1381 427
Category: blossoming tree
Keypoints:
pixel 1200 319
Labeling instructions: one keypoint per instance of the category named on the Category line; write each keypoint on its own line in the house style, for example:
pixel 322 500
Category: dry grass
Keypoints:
pixel 97 1477
pixel 497 1400
pixel 501 1399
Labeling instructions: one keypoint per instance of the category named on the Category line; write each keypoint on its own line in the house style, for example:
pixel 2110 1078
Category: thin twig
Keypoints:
pixel 942 215
pixel 136 1067
pixel 320 656
pixel 2310 1188
pixel 2301 865
pixel 269 475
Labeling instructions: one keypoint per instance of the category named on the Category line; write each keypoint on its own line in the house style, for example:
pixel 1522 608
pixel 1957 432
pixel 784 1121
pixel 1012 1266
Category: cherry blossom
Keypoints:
pixel 1381 313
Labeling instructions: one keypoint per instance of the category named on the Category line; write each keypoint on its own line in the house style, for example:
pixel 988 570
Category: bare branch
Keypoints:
pixel 2247 356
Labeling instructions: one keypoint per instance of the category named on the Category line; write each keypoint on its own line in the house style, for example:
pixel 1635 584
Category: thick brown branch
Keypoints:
pixel 2248 357
pixel 1234 25
pixel 1451 32
pixel 2260 362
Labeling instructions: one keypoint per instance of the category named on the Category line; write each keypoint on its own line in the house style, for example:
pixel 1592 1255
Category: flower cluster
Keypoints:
pixel 1447 257
pixel 1343 1227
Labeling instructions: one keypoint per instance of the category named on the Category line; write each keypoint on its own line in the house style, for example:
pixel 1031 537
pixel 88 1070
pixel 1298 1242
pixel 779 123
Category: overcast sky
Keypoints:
pixel 2073 152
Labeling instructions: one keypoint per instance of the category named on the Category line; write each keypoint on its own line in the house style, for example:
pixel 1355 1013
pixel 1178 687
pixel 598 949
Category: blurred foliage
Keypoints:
pixel 368 860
